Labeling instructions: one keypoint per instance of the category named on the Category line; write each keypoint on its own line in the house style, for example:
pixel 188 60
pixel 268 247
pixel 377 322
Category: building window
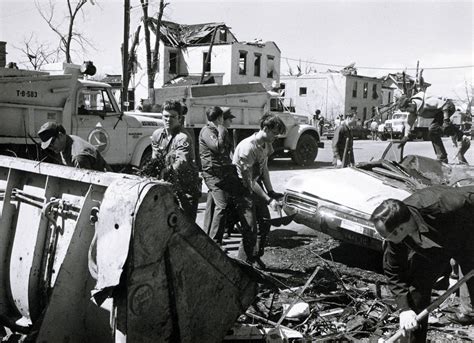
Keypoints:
pixel 243 63
pixel 354 110
pixel 354 90
pixel 270 66
pixel 256 65
pixel 364 114
pixel 366 90
pixel 390 97
pixel 173 63
pixel 303 91
pixel 223 35
pixel 206 62
pixel 375 95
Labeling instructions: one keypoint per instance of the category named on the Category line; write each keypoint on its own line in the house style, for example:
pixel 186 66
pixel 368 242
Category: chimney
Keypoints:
pixel 3 54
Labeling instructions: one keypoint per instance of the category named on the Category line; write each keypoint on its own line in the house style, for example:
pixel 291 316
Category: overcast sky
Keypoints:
pixel 373 34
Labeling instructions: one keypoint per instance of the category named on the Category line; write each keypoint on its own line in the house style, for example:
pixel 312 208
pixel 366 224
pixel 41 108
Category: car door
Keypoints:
pixel 98 122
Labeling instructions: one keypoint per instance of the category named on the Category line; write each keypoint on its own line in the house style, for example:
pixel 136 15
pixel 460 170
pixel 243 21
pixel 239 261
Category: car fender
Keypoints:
pixel 140 148
pixel 294 133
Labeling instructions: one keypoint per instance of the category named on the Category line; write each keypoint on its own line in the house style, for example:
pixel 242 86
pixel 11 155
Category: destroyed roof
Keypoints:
pixel 173 34
pixel 189 80
pixel 398 78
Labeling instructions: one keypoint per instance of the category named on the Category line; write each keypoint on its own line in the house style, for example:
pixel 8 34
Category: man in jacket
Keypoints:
pixel 421 234
pixel 215 151
pixel 175 147
pixel 73 150
pixel 342 142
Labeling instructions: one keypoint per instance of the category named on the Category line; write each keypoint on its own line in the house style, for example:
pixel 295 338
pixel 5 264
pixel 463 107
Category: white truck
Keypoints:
pixel 394 128
pixel 248 103
pixel 85 108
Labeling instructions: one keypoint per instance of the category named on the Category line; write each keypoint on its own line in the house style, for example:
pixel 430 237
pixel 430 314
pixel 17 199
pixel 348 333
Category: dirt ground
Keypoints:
pixel 348 298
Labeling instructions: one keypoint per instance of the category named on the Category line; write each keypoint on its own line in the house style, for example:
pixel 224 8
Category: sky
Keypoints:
pixel 379 36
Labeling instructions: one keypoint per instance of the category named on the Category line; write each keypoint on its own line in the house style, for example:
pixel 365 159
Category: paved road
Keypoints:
pixel 282 169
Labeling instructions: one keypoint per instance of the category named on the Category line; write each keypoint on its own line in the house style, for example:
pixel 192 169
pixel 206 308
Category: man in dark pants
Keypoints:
pixel 214 150
pixel 421 234
pixel 73 150
pixel 342 142
pixel 430 107
pixel 251 158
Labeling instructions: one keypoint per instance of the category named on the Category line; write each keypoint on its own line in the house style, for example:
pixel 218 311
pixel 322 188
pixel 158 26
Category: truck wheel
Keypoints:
pixel 306 150
pixel 146 157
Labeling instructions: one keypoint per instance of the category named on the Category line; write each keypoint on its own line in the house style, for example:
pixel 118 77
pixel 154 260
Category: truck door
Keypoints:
pixel 98 123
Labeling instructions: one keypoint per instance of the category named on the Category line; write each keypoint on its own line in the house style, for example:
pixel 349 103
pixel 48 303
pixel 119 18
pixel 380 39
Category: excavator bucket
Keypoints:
pixel 102 257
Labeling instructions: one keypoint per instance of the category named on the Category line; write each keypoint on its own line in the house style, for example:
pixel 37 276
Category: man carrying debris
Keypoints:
pixel 175 148
pixel 342 142
pixel 73 150
pixel 251 158
pixel 433 108
pixel 215 151
pixel 421 234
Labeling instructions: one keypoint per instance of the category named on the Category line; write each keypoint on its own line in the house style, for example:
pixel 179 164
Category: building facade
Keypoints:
pixel 333 93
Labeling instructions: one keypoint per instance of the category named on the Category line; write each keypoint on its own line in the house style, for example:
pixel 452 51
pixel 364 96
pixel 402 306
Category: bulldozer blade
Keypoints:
pixel 281 220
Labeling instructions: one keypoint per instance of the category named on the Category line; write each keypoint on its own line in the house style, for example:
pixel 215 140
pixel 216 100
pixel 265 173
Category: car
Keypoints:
pixel 358 132
pixel 339 202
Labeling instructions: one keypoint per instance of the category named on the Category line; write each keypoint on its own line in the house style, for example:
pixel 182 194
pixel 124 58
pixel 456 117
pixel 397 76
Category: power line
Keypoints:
pixel 379 68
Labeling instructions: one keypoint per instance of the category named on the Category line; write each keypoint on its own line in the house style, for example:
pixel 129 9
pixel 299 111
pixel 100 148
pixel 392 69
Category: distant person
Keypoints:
pixel 338 120
pixel 463 146
pixel 374 126
pixel 175 148
pixel 73 150
pixel 342 143
pixel 433 108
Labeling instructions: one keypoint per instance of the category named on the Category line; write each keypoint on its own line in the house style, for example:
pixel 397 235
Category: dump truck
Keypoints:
pixel 89 256
pixel 84 107
pixel 248 103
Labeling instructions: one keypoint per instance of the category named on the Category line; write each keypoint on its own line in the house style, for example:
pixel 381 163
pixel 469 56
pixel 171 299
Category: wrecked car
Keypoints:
pixel 339 202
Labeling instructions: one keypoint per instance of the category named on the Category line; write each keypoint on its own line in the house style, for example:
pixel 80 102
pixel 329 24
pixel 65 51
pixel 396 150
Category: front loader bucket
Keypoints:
pixel 68 234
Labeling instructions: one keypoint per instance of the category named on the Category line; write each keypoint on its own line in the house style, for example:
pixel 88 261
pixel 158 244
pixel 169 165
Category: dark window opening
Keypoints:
pixel 206 62
pixel 173 63
pixel 256 65
pixel 366 90
pixel 223 35
pixel 354 90
pixel 374 92
pixel 243 63
pixel 270 66
pixel 303 91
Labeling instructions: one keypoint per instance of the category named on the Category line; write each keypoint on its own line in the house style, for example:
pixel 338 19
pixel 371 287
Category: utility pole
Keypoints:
pixel 126 33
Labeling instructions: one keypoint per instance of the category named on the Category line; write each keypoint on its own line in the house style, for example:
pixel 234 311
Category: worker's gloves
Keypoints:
pixel 275 195
pixel 408 321
pixel 275 205
pixel 404 141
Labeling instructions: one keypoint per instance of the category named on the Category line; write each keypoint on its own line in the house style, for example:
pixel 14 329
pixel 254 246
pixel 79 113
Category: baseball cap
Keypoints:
pixel 47 132
pixel 227 113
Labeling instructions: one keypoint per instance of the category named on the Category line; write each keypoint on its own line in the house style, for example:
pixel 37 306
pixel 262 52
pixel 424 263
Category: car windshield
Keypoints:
pixel 399 116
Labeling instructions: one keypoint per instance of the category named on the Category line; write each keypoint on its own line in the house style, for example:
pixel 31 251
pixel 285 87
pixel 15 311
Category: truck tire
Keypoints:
pixel 306 150
pixel 146 157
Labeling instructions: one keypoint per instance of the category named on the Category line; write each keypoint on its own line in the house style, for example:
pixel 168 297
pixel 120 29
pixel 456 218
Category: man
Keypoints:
pixel 175 148
pixel 73 150
pixel 342 143
pixel 251 158
pixel 433 108
pixel 421 234
pixel 215 151
pixel 374 126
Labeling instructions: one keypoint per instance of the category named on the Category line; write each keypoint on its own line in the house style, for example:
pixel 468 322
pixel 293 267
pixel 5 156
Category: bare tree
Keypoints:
pixel 36 53
pixel 68 35
pixel 152 61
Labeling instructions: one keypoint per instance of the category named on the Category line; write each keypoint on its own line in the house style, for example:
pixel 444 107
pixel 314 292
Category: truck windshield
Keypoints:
pixel 94 101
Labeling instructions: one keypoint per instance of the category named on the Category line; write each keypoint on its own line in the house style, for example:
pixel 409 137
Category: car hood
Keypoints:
pixel 350 187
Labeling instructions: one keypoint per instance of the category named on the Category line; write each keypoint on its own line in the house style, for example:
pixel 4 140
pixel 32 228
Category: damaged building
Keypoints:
pixel 205 53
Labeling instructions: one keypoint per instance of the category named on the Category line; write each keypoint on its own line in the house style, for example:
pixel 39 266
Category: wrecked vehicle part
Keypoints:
pixel 67 234
pixel 339 202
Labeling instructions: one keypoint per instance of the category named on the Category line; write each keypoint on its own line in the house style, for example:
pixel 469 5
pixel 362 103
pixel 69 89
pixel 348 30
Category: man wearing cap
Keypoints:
pixel 433 108
pixel 421 234
pixel 342 142
pixel 74 151
pixel 215 149
pixel 175 147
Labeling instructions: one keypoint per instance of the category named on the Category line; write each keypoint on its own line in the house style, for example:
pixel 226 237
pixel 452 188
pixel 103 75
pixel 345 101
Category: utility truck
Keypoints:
pixel 85 108
pixel 248 103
